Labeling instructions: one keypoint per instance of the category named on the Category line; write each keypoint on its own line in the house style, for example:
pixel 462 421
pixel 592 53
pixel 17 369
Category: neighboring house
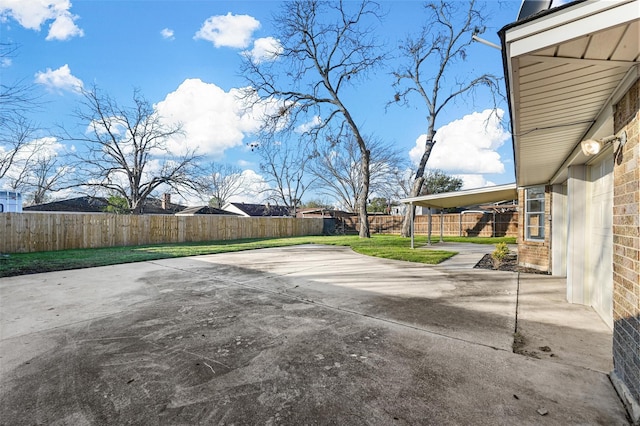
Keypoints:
pixel 256 210
pixel 573 79
pixel 10 202
pixel 204 210
pixel 88 204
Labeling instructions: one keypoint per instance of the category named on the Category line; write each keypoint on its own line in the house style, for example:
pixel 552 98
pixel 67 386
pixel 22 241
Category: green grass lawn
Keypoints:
pixel 386 246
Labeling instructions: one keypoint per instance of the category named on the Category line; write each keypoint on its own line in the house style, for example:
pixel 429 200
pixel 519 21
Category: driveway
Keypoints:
pixel 298 335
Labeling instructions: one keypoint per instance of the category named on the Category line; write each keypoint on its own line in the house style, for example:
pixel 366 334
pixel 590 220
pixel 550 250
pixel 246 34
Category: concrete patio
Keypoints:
pixel 299 335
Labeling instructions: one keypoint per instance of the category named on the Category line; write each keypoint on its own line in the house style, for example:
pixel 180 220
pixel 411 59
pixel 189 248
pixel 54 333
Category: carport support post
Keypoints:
pixel 441 224
pixel 429 227
pixel 494 224
pixel 413 213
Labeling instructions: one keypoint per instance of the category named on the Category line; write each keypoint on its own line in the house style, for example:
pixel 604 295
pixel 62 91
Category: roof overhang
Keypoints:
pixel 565 69
pixel 469 197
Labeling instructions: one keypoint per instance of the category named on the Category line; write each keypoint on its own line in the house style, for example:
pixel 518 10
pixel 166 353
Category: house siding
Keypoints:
pixel 534 254
pixel 626 245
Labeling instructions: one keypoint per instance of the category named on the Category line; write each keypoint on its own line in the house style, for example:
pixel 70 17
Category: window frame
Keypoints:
pixel 540 197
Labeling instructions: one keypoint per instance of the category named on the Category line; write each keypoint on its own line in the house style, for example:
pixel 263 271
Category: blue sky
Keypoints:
pixel 184 56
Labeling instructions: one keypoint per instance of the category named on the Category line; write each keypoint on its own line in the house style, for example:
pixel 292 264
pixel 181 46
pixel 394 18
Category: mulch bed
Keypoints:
pixel 510 263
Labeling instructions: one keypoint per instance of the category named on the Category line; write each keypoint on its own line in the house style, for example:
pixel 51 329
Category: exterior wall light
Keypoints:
pixel 592 146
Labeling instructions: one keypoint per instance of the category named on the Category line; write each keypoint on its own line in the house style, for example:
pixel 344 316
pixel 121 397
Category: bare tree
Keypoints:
pixel 284 166
pixel 325 48
pixel 47 175
pixel 16 135
pixel 126 149
pixel 17 99
pixel 221 182
pixel 337 167
pixel 428 60
pixel 32 165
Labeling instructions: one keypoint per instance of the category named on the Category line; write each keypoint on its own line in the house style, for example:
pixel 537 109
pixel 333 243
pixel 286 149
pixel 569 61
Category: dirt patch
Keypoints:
pixel 510 263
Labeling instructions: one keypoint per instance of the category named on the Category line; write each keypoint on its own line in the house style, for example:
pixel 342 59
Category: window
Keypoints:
pixel 534 213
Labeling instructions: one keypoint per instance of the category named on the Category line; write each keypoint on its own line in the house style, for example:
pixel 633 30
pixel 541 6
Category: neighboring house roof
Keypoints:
pixel 154 206
pixel 200 210
pixel 564 70
pixel 80 205
pixel 318 211
pixel 88 204
pixel 245 209
pixel 469 197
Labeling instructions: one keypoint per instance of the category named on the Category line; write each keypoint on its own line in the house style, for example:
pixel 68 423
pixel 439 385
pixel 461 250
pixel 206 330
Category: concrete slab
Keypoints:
pixel 560 332
pixel 299 335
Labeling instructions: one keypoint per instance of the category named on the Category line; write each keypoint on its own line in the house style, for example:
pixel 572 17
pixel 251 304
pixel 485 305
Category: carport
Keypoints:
pixel 469 197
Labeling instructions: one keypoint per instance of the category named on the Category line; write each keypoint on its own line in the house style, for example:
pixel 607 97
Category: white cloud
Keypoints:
pixel 213 120
pixel 254 190
pixel 228 30
pixel 40 148
pixel 116 126
pixel 5 62
pixel 59 80
pixel 311 124
pixel 64 27
pixel 168 34
pixel 264 50
pixel 472 181
pixel 467 145
pixel 33 14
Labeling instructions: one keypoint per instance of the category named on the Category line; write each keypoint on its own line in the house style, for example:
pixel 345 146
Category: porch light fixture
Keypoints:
pixel 592 146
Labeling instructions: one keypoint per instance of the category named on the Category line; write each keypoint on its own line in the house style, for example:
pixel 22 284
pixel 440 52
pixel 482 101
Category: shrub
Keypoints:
pixel 499 254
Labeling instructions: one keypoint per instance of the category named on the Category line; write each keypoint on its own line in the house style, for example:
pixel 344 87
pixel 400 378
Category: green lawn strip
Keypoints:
pixel 386 246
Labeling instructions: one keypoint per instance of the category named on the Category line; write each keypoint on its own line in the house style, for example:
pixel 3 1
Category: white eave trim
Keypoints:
pixel 568 24
pixel 487 194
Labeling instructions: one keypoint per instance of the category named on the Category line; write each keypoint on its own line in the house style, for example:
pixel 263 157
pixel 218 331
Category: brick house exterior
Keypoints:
pixel 572 72
pixel 534 254
pixel 626 244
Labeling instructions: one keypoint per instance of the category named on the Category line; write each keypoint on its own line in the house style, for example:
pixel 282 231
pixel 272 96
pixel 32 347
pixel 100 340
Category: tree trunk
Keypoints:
pixel 406 223
pixel 136 206
pixel 417 183
pixel 362 201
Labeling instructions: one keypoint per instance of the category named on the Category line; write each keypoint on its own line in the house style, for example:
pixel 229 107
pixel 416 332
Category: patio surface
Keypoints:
pixel 299 335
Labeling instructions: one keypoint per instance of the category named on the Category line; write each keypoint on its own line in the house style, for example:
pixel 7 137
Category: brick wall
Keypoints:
pixel 626 245
pixel 534 254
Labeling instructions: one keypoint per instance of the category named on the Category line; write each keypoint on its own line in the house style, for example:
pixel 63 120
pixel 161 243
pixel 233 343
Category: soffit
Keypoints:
pixel 560 89
pixel 469 197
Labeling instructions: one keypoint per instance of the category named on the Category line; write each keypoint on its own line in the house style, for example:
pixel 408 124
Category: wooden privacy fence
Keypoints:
pixel 454 224
pixel 32 232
